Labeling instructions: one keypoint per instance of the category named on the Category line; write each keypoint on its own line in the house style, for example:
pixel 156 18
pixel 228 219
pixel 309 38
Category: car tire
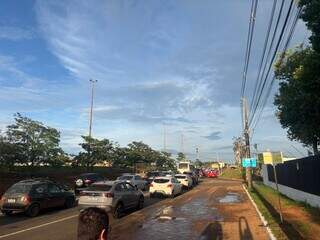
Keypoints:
pixel 7 212
pixel 140 203
pixel 172 194
pixel 69 203
pixel 33 210
pixel 118 210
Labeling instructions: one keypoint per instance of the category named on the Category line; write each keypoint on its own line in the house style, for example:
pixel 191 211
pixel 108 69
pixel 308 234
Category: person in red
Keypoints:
pixel 93 224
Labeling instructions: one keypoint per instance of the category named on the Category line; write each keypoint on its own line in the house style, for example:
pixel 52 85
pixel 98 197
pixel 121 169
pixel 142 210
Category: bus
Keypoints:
pixel 185 167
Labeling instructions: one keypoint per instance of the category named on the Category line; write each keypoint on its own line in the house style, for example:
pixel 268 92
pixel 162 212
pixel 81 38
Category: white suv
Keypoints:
pixel 168 186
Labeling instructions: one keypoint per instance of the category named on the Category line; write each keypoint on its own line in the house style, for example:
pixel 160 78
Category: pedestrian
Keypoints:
pixel 93 224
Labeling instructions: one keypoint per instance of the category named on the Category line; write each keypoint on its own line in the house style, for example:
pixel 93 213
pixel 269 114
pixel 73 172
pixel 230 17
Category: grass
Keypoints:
pixel 232 173
pixel 273 222
pixel 293 227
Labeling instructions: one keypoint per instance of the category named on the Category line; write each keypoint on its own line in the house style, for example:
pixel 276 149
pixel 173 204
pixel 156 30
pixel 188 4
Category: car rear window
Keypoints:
pixel 180 177
pixel 161 180
pixel 99 187
pixel 125 178
pixel 19 188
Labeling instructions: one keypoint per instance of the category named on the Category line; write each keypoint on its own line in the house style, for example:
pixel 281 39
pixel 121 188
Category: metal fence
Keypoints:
pixel 301 174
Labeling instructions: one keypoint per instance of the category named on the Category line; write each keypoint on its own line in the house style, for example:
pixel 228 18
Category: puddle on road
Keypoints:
pixel 178 222
pixel 230 198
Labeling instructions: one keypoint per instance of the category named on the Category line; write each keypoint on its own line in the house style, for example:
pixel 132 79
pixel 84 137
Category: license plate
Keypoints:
pixel 11 200
pixel 93 199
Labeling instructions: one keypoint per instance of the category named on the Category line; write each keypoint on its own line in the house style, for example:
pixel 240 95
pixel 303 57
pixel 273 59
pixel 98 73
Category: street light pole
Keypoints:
pixel 91 108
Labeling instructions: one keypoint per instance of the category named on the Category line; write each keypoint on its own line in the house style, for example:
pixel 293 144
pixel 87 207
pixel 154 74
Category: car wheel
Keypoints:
pixel 7 213
pixel 172 194
pixel 33 210
pixel 140 203
pixel 118 211
pixel 69 203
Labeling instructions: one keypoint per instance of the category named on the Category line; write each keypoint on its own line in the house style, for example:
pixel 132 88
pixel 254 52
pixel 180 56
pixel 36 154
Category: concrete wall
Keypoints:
pixel 292 193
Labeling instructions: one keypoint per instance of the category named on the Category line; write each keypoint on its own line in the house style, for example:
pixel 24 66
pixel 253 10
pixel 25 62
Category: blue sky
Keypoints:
pixel 173 63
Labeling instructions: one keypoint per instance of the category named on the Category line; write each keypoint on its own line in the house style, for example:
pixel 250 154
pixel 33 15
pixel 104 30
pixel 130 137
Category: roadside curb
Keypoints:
pixel 264 221
pixel 231 179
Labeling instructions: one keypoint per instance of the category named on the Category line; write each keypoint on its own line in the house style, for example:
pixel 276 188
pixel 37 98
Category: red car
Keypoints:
pixel 212 174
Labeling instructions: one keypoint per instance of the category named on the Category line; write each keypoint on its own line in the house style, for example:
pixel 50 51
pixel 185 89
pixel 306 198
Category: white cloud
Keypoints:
pixel 15 33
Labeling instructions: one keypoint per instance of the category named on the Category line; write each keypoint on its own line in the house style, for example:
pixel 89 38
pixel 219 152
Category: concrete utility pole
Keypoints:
pixel 247 140
pixel 91 108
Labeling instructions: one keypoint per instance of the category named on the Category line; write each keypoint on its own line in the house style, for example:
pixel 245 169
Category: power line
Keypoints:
pixel 260 80
pixel 289 38
pixel 264 48
pixel 253 13
pixel 272 59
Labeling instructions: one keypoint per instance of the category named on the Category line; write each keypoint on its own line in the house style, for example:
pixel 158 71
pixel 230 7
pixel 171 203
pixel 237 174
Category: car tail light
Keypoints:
pixel 169 185
pixel 107 195
pixel 3 199
pixel 88 181
pixel 26 199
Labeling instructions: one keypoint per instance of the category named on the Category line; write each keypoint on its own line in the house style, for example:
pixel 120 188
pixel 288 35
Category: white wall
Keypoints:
pixel 292 193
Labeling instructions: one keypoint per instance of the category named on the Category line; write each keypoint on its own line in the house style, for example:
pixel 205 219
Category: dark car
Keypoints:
pixel 85 180
pixel 194 176
pixel 32 196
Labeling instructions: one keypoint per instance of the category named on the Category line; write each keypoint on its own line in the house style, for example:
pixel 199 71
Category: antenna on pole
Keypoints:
pixel 91 107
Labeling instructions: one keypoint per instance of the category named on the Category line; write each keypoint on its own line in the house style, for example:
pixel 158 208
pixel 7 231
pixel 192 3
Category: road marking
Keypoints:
pixel 39 226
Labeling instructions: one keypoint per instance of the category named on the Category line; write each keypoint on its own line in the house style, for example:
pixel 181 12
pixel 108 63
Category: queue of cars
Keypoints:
pixel 33 195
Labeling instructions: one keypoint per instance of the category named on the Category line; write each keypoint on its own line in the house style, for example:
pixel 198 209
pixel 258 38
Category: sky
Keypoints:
pixel 162 66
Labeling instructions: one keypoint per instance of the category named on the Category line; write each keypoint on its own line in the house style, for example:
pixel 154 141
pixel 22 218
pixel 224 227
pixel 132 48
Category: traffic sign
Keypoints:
pixel 249 162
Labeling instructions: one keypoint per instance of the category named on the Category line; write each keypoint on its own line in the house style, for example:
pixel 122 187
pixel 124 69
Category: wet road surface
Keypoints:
pixel 215 209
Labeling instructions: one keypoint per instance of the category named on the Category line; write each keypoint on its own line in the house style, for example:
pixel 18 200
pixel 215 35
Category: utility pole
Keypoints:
pixel 247 140
pixel 91 108
pixel 90 121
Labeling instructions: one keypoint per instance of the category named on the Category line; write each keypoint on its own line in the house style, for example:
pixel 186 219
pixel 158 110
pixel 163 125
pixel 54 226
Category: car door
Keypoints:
pixel 40 194
pixel 132 195
pixel 139 182
pixel 121 194
pixel 177 185
pixel 55 195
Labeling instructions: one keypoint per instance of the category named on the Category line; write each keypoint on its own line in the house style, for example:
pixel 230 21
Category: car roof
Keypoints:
pixel 181 174
pixel 34 181
pixel 105 182
pixel 88 174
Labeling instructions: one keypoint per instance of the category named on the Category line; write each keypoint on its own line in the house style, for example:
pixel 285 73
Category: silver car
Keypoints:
pixel 113 196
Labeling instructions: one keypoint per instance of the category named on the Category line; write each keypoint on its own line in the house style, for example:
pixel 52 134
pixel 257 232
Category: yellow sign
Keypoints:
pixel 270 157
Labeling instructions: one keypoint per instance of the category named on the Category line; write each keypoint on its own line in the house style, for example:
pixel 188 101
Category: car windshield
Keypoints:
pixel 161 180
pixel 125 178
pixel 183 165
pixel 19 188
pixel 100 187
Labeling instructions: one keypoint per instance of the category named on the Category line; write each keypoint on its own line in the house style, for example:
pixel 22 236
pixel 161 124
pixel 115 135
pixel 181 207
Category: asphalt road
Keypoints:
pixel 216 209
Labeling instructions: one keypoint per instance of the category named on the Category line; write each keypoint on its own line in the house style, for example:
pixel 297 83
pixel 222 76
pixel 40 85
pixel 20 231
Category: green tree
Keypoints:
pixel 164 161
pixel 37 143
pixel 95 151
pixel 181 157
pixel 311 15
pixel 9 153
pixel 298 102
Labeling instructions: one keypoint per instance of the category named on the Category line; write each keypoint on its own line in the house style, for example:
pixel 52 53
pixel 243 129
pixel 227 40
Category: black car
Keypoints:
pixel 85 180
pixel 151 175
pixel 33 195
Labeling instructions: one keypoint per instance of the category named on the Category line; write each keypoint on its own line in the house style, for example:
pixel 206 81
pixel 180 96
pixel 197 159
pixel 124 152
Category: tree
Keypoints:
pixel 311 15
pixel 165 162
pixel 36 143
pixel 95 151
pixel 181 157
pixel 298 102
pixel 9 153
